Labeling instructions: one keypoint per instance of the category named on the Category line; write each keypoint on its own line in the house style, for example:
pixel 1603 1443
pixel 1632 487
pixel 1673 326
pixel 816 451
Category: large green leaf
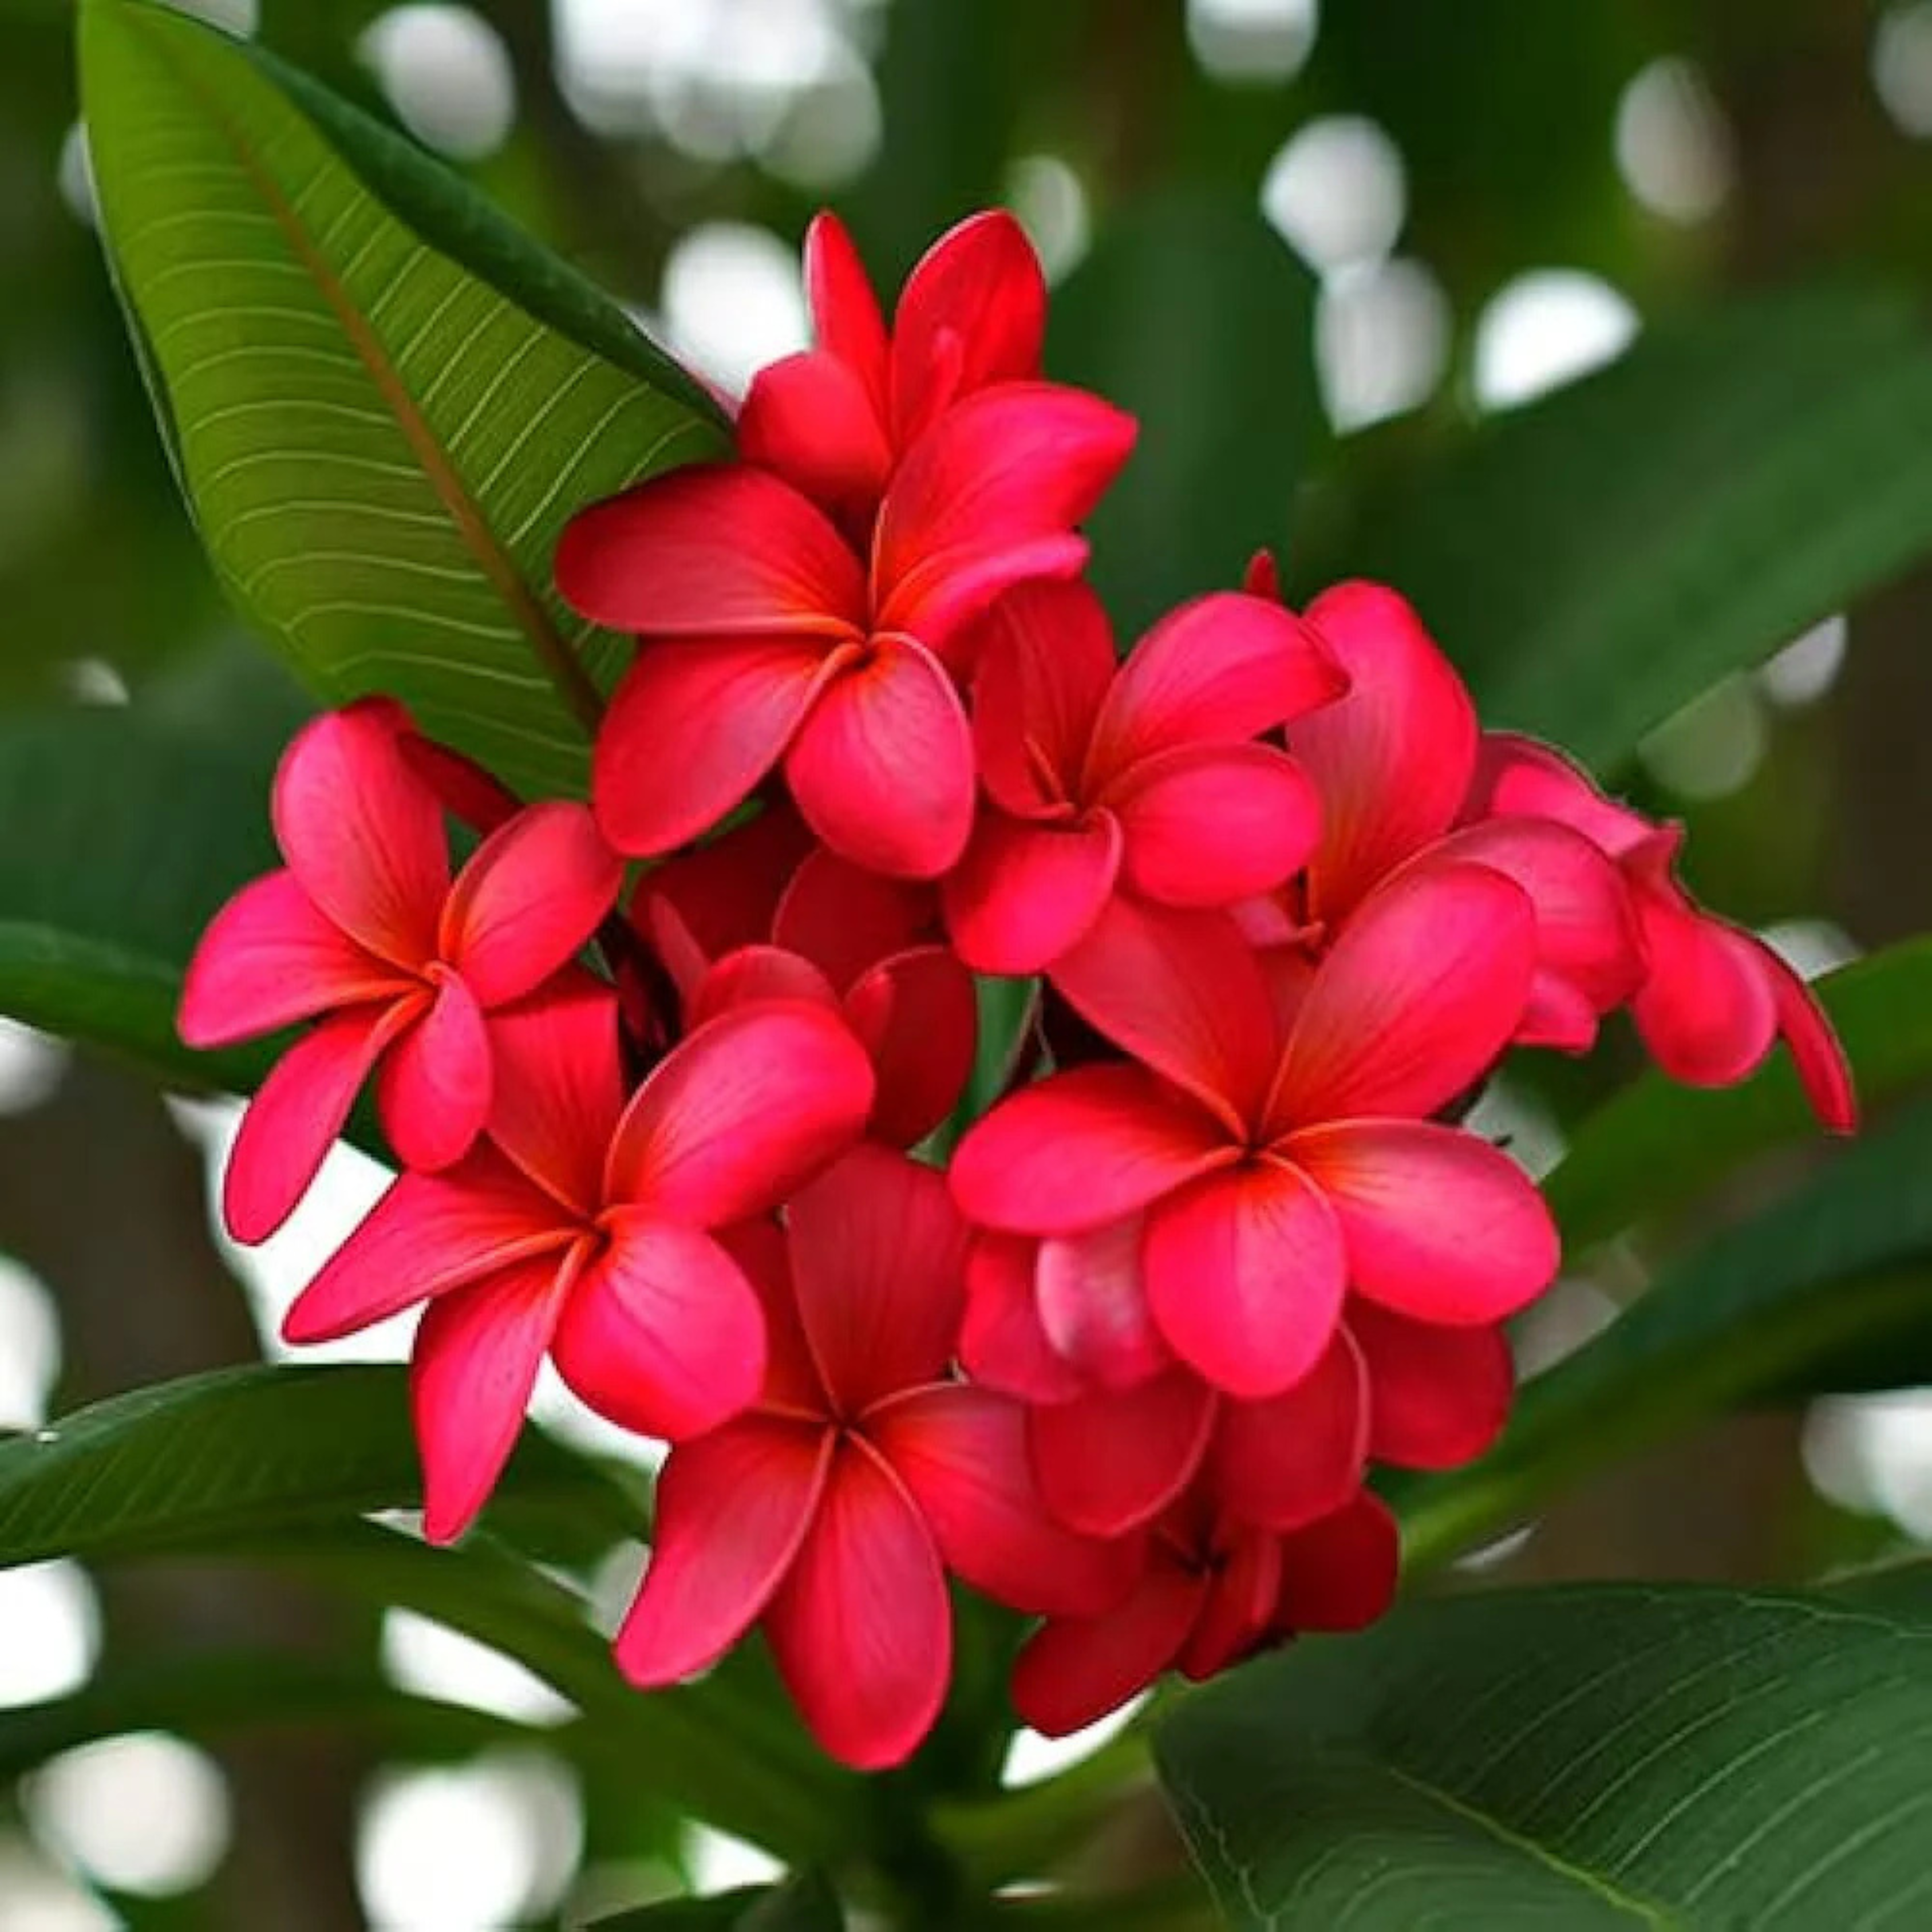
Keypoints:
pixel 1595 559
pixel 1191 313
pixel 1658 1145
pixel 384 404
pixel 1830 1289
pixel 1701 1759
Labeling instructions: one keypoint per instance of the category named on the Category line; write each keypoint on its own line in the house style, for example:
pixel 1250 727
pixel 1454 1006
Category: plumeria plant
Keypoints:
pixel 1005 1109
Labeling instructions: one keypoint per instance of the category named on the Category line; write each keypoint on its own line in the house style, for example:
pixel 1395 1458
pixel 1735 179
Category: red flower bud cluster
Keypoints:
pixel 1124 1363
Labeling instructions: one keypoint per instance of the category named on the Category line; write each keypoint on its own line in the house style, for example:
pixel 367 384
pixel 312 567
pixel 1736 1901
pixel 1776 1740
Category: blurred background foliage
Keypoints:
pixel 1346 264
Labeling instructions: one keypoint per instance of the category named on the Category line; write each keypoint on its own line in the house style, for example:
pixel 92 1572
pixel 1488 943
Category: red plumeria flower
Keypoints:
pixel 767 638
pixel 1144 778
pixel 816 928
pixel 1214 1591
pixel 1393 761
pixel 1282 1157
pixel 1714 999
pixel 365 927
pixel 834 420
pixel 583 1226
pixel 830 1514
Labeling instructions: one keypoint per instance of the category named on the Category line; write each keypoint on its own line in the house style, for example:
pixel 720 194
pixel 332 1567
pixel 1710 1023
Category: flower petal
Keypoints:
pixel 1438 1224
pixel 468 791
pixel 529 900
pixel 430 1233
pixel 700 905
pixel 1438 1397
pixel 809 418
pixel 1182 992
pixel 433 1092
pixel 845 315
pixel 979 285
pixel 474 1363
pixel 1282 1462
pixel 691 730
pixel 1080 1148
pixel 558 1090
pixel 732 1509
pixel 1822 1069
pixel 1339 1574
pixel 268 958
pixel 882 768
pixel 878 1257
pixel 1076 1670
pixel 362 832
pixel 1220 669
pixel 1394 758
pixel 740 1112
pixel 1206 825
pixel 712 549
pixel 1518 777
pixel 1242 1594
pixel 1002 1342
pixel 1025 895
pixel 755 973
pixel 845 919
pixel 1245 1272
pixel 861 1626
pixel 1418 996
pixel 663 1333
pixel 295 1118
pixel 1091 1295
pixel 918 1016
pixel 1108 1463
pixel 961 1453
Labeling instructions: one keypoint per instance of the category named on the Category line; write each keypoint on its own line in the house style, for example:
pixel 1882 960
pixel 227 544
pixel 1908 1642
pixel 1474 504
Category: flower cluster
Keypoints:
pixel 1123 1362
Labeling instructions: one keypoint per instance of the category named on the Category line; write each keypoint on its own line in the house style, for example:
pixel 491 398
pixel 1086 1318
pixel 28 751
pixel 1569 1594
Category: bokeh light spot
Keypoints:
pixel 1337 192
pixel 733 301
pixel 1673 145
pixel 146 1813
pixel 447 73
pixel 1546 328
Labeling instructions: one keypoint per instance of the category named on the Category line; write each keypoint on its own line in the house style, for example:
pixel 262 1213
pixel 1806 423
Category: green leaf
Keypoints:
pixel 1658 1145
pixel 1830 1289
pixel 1594 560
pixel 805 1904
pixel 384 402
pixel 1192 314
pixel 215 1459
pixel 1689 1758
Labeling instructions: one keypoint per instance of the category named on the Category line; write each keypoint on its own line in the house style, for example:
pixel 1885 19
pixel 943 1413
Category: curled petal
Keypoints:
pixel 1025 895
pixel 693 727
pixel 1420 994
pixel 1107 1463
pixel 429 1233
pixel 740 1112
pixel 1392 760
pixel 530 898
pixel 1339 1574
pixel 558 1088
pixel 882 769
pixel 1071 1673
pixel 809 418
pixel 663 1334
pixel 861 1628
pixel 712 549
pixel 1245 1273
pixel 1082 1148
pixel 1002 1343
pixel 362 832
pixel 732 1509
pixel 918 1016
pixel 1207 825
pixel 1438 1224
pixel 268 959
pixel 1285 1460
pixel 961 1453
pixel 1220 669
pixel 1822 1069
pixel 1092 1300
pixel 1518 777
pixel 474 1363
pixel 294 1119
pixel 433 1092
pixel 1438 1397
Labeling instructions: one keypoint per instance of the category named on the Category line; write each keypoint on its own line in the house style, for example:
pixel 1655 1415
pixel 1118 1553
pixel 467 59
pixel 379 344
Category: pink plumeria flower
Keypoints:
pixel 1145 777
pixel 1714 1000
pixel 365 927
pixel 766 638
pixel 1280 1156
pixel 830 1515
pixel 834 420
pixel 1212 1592
pixel 583 1227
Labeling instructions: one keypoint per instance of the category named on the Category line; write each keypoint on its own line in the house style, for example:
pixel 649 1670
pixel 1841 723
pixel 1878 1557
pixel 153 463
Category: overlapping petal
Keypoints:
pixel 434 1089
pixel 1025 894
pixel 1074 1670
pixel 1002 1341
pixel 1438 1397
pixel 917 1016
pixel 1285 1460
pixel 810 418
pixel 1107 1462
pixel 1090 1294
pixel 559 1090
